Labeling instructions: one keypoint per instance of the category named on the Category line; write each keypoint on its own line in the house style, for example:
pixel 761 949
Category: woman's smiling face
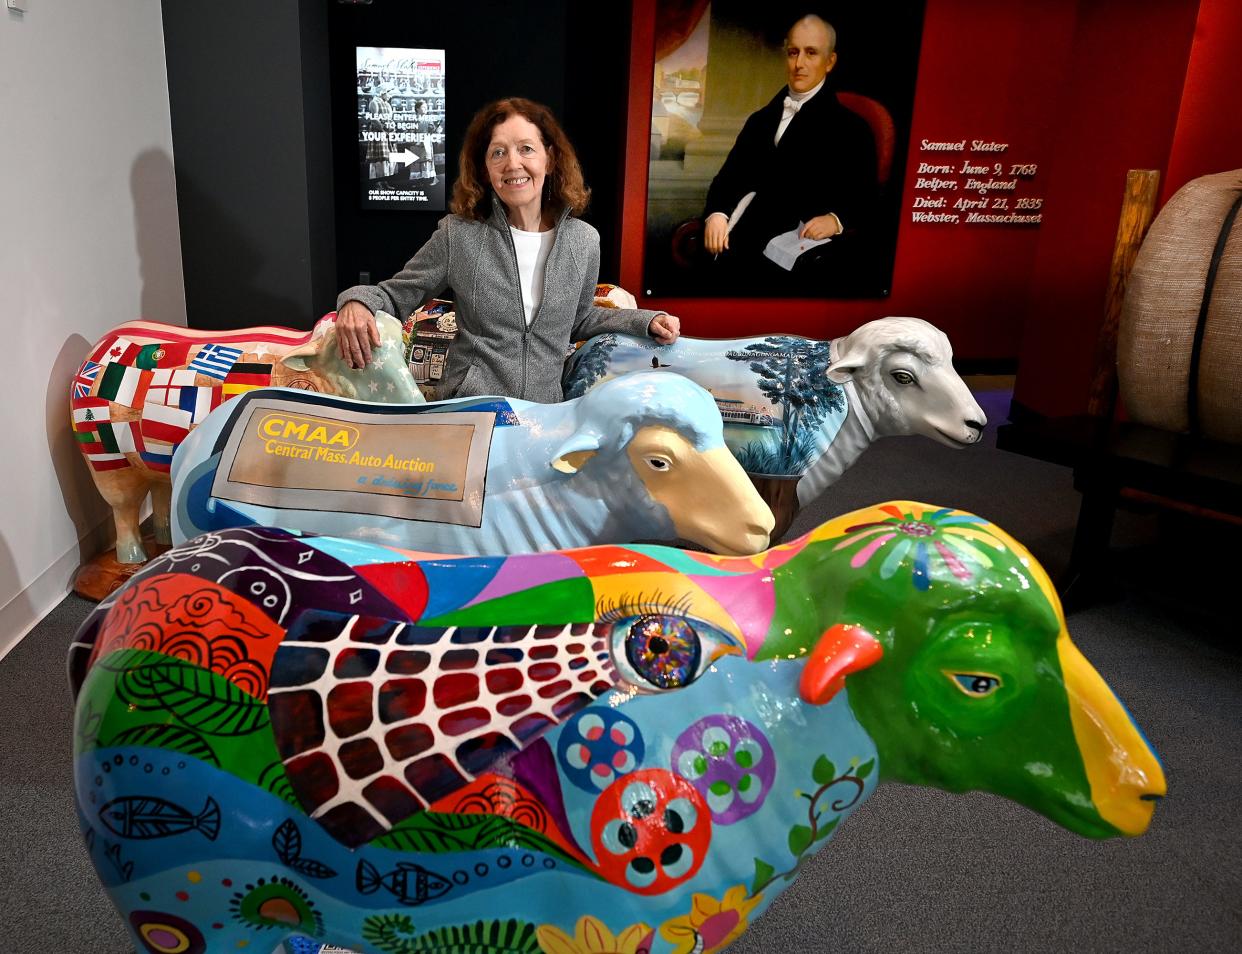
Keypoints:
pixel 517 163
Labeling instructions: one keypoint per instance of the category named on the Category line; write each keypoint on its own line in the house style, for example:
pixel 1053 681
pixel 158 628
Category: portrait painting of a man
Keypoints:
pixel 774 167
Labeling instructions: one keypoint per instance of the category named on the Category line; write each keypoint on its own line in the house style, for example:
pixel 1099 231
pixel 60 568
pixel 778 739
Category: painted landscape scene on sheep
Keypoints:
pixel 803 409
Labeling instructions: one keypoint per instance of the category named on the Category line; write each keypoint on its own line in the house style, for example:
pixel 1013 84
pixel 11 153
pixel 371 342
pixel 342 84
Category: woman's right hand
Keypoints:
pixel 356 334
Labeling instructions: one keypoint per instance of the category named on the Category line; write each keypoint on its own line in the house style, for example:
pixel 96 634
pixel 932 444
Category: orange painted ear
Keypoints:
pixel 843 649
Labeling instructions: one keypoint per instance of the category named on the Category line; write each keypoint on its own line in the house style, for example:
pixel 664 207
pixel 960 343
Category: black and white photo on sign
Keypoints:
pixel 778 140
pixel 401 128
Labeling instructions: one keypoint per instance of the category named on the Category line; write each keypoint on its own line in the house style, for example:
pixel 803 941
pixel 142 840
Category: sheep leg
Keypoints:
pixel 161 509
pixel 125 489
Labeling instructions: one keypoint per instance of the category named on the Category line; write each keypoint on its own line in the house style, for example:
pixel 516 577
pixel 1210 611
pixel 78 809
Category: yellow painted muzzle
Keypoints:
pixel 1125 776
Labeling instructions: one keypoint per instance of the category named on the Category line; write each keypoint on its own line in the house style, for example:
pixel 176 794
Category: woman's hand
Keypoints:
pixel 664 328
pixel 356 334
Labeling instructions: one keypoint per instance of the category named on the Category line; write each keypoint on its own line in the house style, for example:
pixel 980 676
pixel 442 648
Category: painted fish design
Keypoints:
pixel 143 817
pixel 409 883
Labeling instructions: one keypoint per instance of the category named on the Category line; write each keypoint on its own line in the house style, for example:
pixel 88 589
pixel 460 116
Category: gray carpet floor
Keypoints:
pixel 914 869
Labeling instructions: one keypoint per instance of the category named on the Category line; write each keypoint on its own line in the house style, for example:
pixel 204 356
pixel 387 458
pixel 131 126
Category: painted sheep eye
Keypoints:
pixel 657 651
pixel 904 377
pixel 658 464
pixel 976 684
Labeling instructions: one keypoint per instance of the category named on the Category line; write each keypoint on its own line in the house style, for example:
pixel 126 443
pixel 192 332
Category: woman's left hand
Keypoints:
pixel 665 328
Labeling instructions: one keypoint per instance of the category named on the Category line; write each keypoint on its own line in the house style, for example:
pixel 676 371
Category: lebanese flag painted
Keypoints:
pixel 88 412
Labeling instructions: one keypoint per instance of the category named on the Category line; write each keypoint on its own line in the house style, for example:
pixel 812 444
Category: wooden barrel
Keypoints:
pixel 1179 344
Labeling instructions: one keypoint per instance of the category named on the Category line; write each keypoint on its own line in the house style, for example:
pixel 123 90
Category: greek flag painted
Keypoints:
pixel 215 360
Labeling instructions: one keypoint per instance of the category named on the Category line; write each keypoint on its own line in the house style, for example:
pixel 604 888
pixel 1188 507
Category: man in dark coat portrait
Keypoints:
pixel 802 163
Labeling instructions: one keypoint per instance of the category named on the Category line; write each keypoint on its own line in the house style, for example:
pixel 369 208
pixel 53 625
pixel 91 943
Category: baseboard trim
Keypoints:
pixel 26 610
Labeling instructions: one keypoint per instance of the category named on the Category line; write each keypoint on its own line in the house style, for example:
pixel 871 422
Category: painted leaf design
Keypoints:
pixel 865 769
pixel 436 833
pixel 287 841
pixel 198 698
pixel 274 780
pixel 288 844
pixel 823 771
pixel 170 737
pixel 312 869
pixel 763 874
pixel 482 937
pixel 88 726
pixel 799 839
pixel 827 829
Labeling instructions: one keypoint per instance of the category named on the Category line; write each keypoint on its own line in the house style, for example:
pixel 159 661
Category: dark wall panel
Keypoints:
pixel 249 183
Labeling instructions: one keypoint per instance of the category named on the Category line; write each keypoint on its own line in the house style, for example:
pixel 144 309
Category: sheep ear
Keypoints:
pixel 846 366
pixel 852 357
pixel 299 359
pixel 842 650
pixel 575 452
pixel 296 362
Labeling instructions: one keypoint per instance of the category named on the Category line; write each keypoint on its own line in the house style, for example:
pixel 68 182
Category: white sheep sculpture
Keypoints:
pixel 800 411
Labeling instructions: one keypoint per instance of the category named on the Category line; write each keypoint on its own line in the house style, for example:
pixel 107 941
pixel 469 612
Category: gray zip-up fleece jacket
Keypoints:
pixel 495 352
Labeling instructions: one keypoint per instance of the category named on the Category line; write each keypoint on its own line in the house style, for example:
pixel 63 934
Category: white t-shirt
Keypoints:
pixel 532 255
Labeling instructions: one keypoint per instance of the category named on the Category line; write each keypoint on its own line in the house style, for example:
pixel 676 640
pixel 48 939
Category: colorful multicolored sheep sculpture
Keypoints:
pixel 146 385
pixel 799 412
pixel 639 458
pixel 282 736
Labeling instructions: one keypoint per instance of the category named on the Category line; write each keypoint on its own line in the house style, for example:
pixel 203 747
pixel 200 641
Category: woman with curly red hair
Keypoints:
pixel 522 266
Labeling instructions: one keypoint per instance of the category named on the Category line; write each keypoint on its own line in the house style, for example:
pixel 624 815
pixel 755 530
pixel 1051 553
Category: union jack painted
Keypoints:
pixel 86 376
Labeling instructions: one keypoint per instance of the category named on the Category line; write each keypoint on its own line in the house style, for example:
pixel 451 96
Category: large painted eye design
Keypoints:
pixel 975 684
pixel 658 652
pixel 904 378
pixel 651 831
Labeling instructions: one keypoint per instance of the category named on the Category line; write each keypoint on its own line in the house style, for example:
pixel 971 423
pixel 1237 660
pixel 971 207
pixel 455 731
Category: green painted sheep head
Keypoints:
pixel 961 668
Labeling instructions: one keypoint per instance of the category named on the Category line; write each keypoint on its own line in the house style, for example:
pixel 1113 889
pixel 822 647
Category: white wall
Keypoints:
pixel 88 239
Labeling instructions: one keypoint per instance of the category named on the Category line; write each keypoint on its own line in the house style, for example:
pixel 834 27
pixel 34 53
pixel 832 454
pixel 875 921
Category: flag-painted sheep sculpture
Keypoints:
pixel 146 385
pixel 639 458
pixel 799 411
pixel 633 747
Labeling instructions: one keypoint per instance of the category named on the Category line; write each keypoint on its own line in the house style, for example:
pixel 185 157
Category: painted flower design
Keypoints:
pixel 592 937
pixel 711 925
pixel 935 542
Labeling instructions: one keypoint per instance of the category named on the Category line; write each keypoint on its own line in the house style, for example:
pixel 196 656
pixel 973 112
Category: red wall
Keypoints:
pixel 1085 88
pixel 1125 87
pixel 1208 137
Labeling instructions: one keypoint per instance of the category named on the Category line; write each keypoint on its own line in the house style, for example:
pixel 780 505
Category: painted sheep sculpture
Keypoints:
pixel 293 738
pixel 799 412
pixel 639 458
pixel 146 385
